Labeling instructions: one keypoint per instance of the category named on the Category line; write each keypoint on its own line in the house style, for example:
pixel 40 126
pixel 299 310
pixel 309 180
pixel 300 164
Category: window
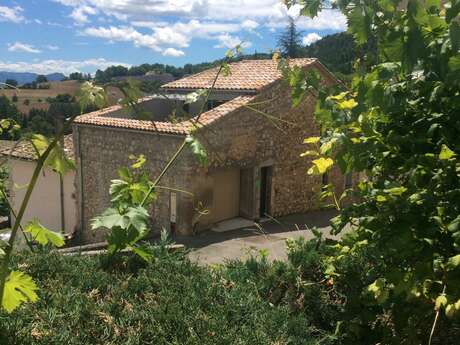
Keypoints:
pixel 348 180
pixel 186 108
pixel 213 103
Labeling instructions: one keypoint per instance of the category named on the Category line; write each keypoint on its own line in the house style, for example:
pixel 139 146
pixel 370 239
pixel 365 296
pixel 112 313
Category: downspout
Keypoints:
pixel 61 179
pixel 78 157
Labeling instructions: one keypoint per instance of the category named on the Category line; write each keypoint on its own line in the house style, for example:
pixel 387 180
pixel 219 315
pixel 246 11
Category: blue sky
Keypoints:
pixel 45 36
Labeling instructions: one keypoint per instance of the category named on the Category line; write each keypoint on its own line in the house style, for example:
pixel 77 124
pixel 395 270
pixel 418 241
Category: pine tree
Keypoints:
pixel 289 42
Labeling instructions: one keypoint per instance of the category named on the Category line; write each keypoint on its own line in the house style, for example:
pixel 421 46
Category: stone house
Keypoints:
pixel 250 130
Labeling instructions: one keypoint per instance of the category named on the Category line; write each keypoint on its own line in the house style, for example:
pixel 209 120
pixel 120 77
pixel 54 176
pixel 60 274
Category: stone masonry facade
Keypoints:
pixel 266 132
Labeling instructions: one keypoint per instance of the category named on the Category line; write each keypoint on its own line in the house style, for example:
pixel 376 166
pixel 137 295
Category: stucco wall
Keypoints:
pixel 45 204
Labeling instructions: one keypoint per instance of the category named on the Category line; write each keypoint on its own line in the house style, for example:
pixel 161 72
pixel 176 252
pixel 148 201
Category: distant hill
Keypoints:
pixel 338 52
pixel 26 77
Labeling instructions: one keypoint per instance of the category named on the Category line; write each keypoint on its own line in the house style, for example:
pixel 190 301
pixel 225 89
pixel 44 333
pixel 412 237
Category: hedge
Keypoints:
pixel 169 301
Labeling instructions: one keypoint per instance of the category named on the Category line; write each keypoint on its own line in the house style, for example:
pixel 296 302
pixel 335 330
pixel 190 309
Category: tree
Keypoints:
pixel 41 79
pixel 398 126
pixel 289 42
pixel 11 82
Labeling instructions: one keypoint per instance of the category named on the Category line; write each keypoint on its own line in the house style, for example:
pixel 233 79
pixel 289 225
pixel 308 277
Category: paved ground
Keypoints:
pixel 214 247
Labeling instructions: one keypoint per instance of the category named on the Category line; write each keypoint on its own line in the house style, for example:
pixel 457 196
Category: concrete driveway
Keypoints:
pixel 217 247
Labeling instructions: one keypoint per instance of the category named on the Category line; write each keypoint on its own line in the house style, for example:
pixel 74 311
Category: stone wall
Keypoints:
pixel 101 151
pixel 270 134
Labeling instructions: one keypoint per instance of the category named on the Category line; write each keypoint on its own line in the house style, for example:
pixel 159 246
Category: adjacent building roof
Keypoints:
pixel 101 118
pixel 25 150
pixel 246 75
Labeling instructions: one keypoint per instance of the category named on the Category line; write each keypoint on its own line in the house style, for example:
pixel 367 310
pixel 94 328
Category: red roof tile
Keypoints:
pixel 248 75
pixel 25 150
pixel 102 118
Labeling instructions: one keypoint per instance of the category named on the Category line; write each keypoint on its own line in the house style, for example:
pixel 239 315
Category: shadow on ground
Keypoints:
pixel 211 247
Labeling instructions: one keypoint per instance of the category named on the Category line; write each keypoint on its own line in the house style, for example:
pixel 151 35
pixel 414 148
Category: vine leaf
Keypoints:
pixel 19 288
pixel 198 150
pixel 320 166
pixel 446 153
pixel 91 94
pixel 43 235
pixel 57 159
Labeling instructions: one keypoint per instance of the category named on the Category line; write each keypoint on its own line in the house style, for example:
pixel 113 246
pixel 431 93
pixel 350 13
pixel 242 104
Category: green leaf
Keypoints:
pixel 359 25
pixel 311 8
pixel 195 96
pixel 446 152
pixel 309 153
pixel 453 262
pixel 90 94
pixel 320 166
pixel 347 104
pixel 440 302
pixel 109 219
pixel 378 290
pixel 144 252
pixel 198 150
pixel 19 288
pixel 454 226
pixel 454 63
pixel 43 235
pixel 311 140
pixel 57 159
pixel 396 190
pixel 139 161
pixel 454 31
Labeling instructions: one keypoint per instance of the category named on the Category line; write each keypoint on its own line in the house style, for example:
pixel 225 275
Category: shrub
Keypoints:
pixel 166 301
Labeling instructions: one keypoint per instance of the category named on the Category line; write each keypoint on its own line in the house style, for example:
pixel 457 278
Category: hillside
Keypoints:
pixel 26 77
pixel 37 97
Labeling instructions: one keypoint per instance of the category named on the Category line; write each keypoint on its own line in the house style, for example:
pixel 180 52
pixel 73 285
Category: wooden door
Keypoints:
pixel 226 194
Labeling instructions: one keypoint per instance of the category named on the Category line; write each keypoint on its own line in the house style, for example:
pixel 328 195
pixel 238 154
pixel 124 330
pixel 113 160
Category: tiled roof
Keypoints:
pixel 247 75
pixel 101 118
pixel 25 150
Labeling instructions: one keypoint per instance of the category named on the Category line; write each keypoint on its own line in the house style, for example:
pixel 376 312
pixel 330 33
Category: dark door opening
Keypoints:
pixel 265 190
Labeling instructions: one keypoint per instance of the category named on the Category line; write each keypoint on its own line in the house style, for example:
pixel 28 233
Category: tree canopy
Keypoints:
pixel 398 127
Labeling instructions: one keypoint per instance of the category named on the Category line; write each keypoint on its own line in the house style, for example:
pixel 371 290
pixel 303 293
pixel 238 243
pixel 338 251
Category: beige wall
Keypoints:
pixel 45 202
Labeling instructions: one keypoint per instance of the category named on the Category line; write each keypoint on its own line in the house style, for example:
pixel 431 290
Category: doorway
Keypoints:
pixel 265 191
pixel 226 194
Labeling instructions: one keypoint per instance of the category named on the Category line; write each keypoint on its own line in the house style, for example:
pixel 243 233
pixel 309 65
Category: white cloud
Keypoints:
pixel 80 14
pixel 173 52
pixel 23 47
pixel 326 20
pixel 62 66
pixel 38 21
pixel 249 24
pixel 124 34
pixel 311 38
pixel 52 47
pixel 149 23
pixel 11 14
pixel 273 12
pixel 229 41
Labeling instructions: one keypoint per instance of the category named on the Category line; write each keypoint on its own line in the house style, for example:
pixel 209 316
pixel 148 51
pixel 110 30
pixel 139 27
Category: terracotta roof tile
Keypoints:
pixel 248 75
pixel 102 118
pixel 25 150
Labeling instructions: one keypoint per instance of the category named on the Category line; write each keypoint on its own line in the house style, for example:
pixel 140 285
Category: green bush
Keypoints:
pixel 167 301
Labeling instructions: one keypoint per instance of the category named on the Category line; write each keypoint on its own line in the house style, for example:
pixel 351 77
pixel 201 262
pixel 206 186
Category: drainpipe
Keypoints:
pixel 60 125
pixel 79 176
